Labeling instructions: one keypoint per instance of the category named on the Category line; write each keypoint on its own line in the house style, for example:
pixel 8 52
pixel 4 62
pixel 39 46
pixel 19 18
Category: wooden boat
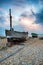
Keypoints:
pixel 15 36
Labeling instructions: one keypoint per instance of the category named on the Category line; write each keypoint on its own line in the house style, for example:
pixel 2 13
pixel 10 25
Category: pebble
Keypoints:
pixel 27 56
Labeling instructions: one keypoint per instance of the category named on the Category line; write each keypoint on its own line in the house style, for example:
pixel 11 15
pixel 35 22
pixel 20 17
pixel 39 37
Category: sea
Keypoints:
pixel 40 35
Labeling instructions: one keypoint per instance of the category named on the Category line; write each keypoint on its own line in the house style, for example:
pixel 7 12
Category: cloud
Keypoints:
pixel 39 17
pixel 3 17
pixel 28 21
pixel 18 2
pixel 13 2
pixel 41 3
pixel 33 2
pixel 22 14
pixel 19 27
pixel 5 20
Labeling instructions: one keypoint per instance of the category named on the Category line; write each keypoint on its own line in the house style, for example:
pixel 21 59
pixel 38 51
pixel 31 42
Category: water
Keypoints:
pixel 40 35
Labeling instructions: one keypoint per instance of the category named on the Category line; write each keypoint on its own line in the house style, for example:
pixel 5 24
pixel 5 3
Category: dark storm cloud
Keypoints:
pixel 24 14
pixel 39 17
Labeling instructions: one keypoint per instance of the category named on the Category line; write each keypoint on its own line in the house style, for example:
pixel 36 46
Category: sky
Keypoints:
pixel 27 15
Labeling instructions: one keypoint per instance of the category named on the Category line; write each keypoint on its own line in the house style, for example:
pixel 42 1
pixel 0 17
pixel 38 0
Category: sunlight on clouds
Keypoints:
pixel 25 13
pixel 16 12
pixel 27 19
pixel 29 23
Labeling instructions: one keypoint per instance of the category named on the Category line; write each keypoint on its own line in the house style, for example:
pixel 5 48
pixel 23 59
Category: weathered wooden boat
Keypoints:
pixel 15 36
